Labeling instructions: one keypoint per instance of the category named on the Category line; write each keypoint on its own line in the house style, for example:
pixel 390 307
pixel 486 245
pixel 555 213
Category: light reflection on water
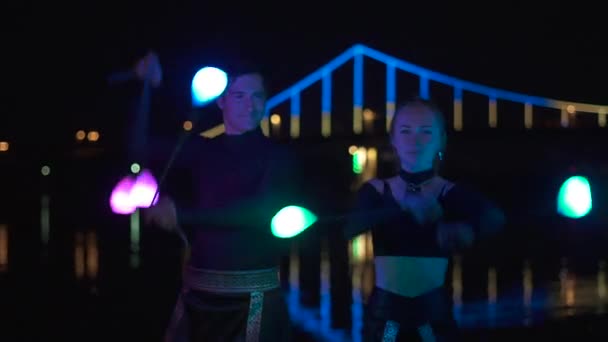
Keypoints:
pixel 519 301
pixel 134 236
pixel 569 291
pixel 3 247
pixel 86 255
pixel 506 301
pixel 45 218
pixel 516 301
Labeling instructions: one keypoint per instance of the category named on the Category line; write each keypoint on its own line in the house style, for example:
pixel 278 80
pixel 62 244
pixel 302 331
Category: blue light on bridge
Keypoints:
pixel 391 93
pixel 358 53
pixel 358 94
pixel 326 105
pixel 424 87
pixel 295 115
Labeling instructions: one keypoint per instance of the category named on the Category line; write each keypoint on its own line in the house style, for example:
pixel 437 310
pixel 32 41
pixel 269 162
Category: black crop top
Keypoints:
pixel 394 231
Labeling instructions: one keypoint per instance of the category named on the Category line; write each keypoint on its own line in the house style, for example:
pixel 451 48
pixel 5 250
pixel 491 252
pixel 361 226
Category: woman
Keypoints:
pixel 417 219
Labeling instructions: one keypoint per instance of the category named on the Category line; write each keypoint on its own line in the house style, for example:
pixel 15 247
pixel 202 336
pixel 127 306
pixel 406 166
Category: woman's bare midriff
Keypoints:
pixel 410 276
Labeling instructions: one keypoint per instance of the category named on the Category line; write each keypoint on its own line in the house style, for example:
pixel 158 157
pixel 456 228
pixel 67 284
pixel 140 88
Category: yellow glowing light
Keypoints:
pixel 80 135
pixel 368 114
pixel 187 125
pixel 275 119
pixel 571 109
pixel 214 131
pixel 93 136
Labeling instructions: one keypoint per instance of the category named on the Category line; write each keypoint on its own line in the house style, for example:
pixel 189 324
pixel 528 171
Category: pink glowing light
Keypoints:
pixel 120 199
pixel 132 193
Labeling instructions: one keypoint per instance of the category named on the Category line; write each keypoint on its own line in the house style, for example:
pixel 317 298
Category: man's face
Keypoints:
pixel 243 104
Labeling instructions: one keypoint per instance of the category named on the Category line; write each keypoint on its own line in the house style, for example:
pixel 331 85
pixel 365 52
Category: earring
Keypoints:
pixel 440 155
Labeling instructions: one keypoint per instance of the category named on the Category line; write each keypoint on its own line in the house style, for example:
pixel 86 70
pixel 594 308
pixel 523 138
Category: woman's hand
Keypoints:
pixel 455 235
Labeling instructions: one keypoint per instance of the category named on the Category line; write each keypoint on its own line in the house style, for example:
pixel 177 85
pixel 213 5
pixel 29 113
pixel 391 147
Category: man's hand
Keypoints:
pixel 163 214
pixel 148 68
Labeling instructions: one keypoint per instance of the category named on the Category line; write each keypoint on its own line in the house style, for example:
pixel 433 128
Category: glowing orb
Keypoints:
pixel 133 192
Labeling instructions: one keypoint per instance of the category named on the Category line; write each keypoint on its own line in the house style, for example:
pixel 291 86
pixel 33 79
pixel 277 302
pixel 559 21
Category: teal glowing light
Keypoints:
pixel 207 84
pixel 574 198
pixel 291 221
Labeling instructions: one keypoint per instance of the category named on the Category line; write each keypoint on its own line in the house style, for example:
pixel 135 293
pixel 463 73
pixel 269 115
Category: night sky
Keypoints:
pixel 57 58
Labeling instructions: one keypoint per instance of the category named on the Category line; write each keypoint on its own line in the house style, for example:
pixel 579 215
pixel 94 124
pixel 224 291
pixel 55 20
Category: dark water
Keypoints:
pixel 72 271
pixel 112 279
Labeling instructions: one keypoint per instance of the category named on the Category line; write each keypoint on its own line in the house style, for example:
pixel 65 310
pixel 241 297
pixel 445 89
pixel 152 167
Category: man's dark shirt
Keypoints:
pixel 238 182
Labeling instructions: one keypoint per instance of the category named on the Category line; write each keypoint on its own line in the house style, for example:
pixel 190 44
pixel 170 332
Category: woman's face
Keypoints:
pixel 417 137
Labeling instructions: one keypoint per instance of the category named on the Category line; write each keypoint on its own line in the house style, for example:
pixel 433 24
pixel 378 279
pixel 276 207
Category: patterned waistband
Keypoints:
pixel 231 281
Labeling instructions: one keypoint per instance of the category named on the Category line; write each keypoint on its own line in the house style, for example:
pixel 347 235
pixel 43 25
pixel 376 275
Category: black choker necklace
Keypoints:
pixel 415 180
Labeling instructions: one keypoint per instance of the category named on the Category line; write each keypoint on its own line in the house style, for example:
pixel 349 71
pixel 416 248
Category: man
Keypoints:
pixel 240 179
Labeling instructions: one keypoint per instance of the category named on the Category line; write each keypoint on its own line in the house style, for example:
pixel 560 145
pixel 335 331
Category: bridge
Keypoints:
pixel 427 79
pixel 537 163
pixel 541 131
